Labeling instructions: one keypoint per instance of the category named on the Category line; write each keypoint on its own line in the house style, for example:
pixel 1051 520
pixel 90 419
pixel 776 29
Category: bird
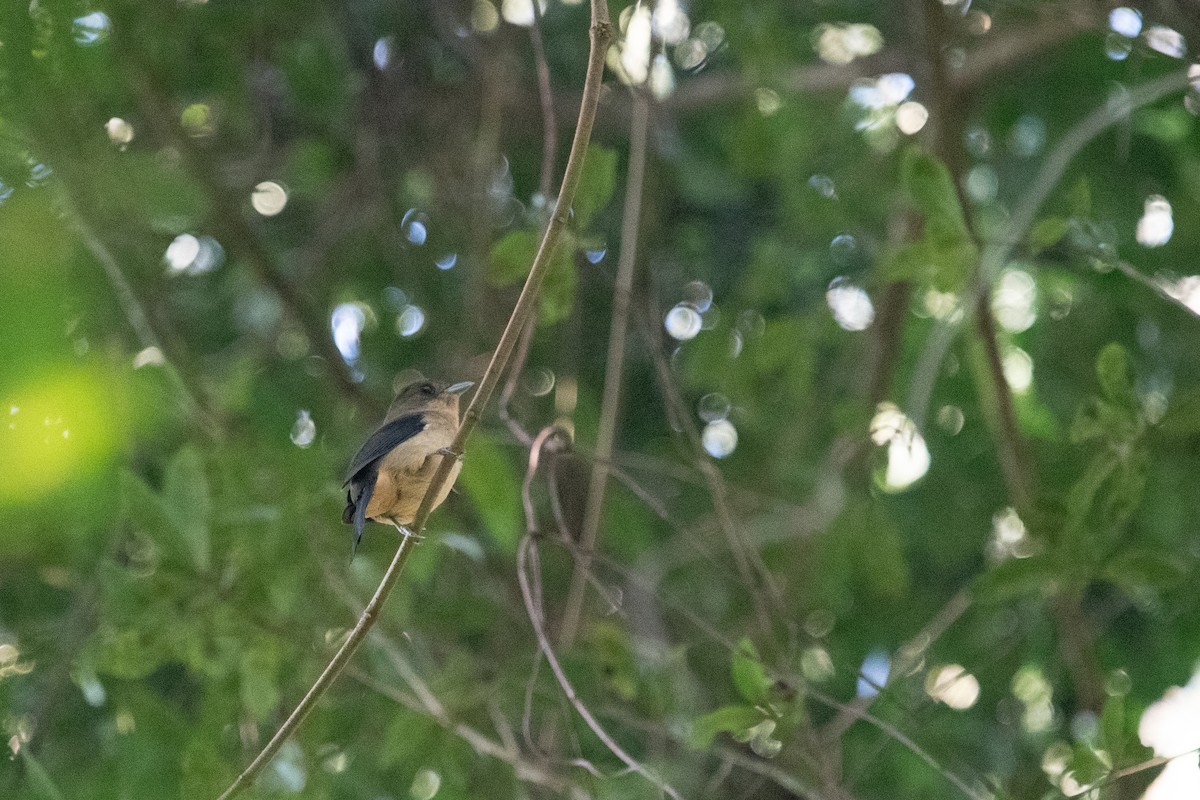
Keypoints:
pixel 390 473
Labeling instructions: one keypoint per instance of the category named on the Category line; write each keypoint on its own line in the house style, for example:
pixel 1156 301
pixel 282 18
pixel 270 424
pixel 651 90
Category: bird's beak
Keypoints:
pixel 459 388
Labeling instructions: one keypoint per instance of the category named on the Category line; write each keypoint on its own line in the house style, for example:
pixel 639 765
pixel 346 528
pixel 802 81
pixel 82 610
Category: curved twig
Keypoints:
pixel 539 628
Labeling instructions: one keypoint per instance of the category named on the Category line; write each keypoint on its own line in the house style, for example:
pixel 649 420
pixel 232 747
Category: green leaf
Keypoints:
pixel 1048 232
pixel 1017 577
pixel 310 167
pixel 749 677
pixel 145 508
pixel 1168 125
pixel 727 719
pixel 40 782
pixel 880 554
pixel 1142 568
pixel 186 494
pixel 259 683
pixel 557 297
pixel 945 254
pixel 613 654
pixel 931 187
pixel 1115 371
pixel 1086 765
pixel 1079 198
pixel 511 258
pixel 1183 415
pixel 596 184
pixel 1100 419
pixel 490 480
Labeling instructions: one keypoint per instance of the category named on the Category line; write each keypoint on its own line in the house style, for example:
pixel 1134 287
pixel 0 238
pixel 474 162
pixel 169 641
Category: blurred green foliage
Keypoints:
pixel 173 569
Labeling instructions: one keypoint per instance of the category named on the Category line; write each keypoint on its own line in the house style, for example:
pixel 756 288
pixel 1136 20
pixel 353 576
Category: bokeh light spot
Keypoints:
pixel 35 455
pixel 348 321
pixel 953 685
pixel 714 407
pixel 683 322
pixel 907 454
pixel 719 438
pixel 91 28
pixel 911 117
pixel 119 131
pixel 850 304
pixel 410 322
pixel 1125 21
pixel 269 198
pixel 1018 370
pixel 1167 41
pixel 304 431
pixel 873 673
pixel 1014 301
pixel 1156 225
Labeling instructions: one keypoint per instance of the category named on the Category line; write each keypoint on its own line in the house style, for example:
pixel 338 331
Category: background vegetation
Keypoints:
pixel 902 498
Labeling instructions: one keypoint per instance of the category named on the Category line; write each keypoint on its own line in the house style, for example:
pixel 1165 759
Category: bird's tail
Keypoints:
pixel 357 499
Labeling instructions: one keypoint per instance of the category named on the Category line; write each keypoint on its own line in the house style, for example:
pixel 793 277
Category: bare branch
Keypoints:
pixel 600 34
pixel 614 368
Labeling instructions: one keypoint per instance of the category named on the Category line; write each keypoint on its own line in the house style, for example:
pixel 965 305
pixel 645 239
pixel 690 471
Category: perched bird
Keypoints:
pixel 390 474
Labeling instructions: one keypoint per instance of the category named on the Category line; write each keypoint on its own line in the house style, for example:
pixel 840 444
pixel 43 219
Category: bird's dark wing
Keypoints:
pixel 383 441
pixel 364 469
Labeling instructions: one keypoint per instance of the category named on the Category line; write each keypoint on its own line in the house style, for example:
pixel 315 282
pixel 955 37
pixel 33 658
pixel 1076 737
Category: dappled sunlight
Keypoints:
pixel 1168 727
pixel 1014 301
pixel 57 428
pixel 1157 224
pixel 953 686
pixel 851 307
pixel 841 43
pixel 873 674
pixel 348 321
pixel 907 455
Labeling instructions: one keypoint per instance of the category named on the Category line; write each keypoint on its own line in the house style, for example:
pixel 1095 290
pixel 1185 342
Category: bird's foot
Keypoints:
pixel 407 533
pixel 446 451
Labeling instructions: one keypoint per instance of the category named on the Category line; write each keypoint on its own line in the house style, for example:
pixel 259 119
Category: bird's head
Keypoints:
pixel 427 395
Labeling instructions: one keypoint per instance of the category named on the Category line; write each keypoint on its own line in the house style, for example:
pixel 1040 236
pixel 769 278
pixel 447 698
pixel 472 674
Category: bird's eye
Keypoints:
pixel 427 388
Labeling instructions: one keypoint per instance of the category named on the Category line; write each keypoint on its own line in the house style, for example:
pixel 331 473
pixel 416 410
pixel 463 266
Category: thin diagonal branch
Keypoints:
pixel 600 35
pixel 906 659
pixel 903 739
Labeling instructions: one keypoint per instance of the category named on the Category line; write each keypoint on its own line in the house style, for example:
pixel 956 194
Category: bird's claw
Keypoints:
pixel 407 533
pixel 446 451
